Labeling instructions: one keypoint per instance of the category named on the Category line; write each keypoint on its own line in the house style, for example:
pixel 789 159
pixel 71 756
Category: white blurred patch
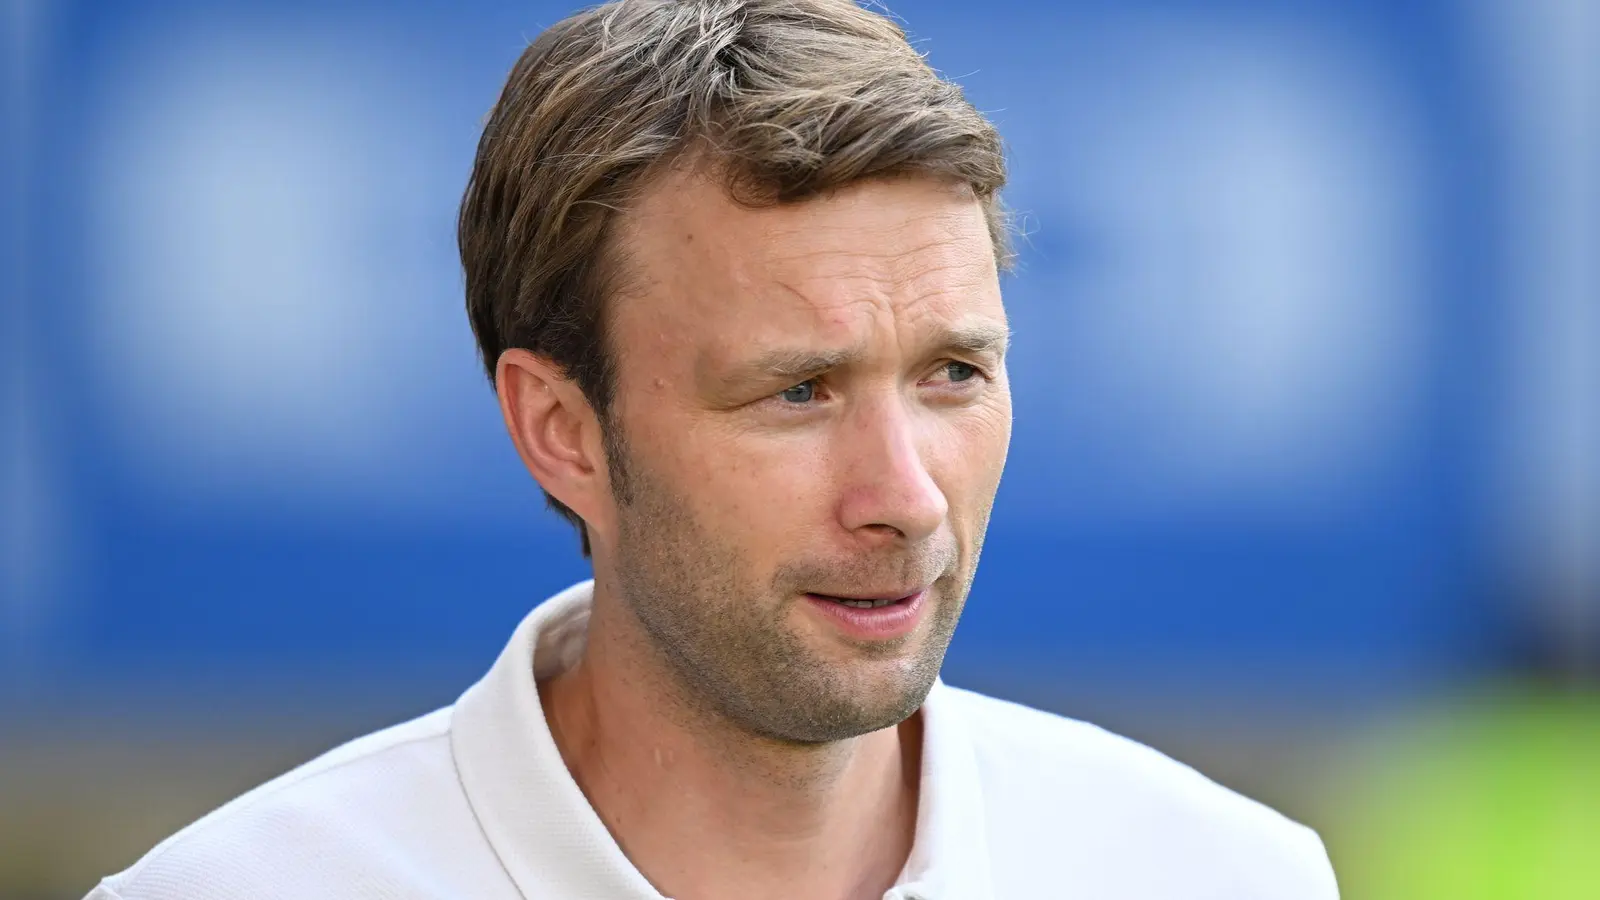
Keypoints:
pixel 272 262
pixel 1544 57
pixel 1242 327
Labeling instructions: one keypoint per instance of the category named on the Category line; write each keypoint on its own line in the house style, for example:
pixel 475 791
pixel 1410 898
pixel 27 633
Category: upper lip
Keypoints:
pixel 875 595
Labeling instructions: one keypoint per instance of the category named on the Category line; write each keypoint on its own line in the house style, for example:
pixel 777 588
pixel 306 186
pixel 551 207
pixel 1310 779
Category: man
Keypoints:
pixel 732 265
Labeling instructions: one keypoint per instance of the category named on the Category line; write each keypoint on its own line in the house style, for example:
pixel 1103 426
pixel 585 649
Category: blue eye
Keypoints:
pixel 800 393
pixel 960 371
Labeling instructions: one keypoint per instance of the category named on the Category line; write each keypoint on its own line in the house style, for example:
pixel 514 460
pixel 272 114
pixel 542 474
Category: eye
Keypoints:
pixel 959 371
pixel 804 392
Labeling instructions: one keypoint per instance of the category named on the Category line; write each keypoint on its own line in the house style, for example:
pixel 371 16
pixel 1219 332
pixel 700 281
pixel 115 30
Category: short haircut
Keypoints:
pixel 787 99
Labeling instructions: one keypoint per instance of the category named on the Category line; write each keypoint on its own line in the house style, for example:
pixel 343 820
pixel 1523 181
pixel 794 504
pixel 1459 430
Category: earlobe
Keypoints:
pixel 550 422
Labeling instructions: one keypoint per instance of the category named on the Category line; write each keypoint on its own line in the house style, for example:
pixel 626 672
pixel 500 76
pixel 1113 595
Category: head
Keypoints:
pixel 733 269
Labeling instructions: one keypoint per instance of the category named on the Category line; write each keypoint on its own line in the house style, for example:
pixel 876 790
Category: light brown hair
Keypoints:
pixel 785 99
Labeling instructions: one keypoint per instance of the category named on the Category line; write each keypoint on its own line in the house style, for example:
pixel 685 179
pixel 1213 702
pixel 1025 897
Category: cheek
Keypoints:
pixel 733 483
pixel 967 453
pixel 758 492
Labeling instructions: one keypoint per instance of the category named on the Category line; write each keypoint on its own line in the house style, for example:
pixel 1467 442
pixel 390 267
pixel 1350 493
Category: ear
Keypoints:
pixel 556 432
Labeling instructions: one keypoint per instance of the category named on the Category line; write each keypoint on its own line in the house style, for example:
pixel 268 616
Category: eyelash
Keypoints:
pixel 977 373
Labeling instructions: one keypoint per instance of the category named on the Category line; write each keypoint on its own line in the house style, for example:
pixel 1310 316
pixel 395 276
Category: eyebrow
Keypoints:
pixel 978 338
pixel 794 363
pixel 799 364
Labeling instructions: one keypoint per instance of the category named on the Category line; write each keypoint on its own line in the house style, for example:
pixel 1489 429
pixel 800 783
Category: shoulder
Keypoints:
pixel 1124 814
pixel 365 813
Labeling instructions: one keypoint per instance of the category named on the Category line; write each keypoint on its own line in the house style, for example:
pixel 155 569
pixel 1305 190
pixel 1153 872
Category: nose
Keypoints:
pixel 889 493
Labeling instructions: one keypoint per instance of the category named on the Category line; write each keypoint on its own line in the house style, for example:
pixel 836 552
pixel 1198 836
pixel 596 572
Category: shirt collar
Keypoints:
pixel 551 841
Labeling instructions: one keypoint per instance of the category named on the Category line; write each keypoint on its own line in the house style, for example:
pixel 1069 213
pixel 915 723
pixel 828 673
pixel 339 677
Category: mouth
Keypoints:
pixel 892 615
pixel 867 602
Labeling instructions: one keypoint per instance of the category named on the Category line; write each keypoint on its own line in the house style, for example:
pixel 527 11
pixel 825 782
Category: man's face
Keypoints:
pixel 811 407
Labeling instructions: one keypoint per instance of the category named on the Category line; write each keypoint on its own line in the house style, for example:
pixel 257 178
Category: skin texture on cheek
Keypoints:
pixel 726 632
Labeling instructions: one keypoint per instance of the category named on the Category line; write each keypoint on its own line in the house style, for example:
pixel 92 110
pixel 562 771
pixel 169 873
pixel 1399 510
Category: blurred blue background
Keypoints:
pixel 1307 376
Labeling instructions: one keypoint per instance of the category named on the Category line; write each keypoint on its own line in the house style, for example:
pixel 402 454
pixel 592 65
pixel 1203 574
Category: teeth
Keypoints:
pixel 862 604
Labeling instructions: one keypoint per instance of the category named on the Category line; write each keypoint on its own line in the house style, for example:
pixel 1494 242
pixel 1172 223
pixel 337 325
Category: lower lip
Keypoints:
pixel 873 624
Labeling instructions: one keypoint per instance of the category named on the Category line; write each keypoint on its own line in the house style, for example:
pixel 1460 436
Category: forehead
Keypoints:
pixel 712 278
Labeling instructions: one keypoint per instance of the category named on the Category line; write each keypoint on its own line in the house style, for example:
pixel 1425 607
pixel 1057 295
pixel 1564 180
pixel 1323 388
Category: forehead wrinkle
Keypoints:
pixel 890 266
pixel 810 329
pixel 791 347
pixel 902 308
pixel 826 297
pixel 885 274
pixel 831 310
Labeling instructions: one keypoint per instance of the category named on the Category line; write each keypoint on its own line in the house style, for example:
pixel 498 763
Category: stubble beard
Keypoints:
pixel 725 639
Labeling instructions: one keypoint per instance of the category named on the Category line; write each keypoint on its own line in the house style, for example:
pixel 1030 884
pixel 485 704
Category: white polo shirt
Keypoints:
pixel 474 802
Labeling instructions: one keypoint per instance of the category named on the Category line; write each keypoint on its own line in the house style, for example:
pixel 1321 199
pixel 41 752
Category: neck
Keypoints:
pixel 706 810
